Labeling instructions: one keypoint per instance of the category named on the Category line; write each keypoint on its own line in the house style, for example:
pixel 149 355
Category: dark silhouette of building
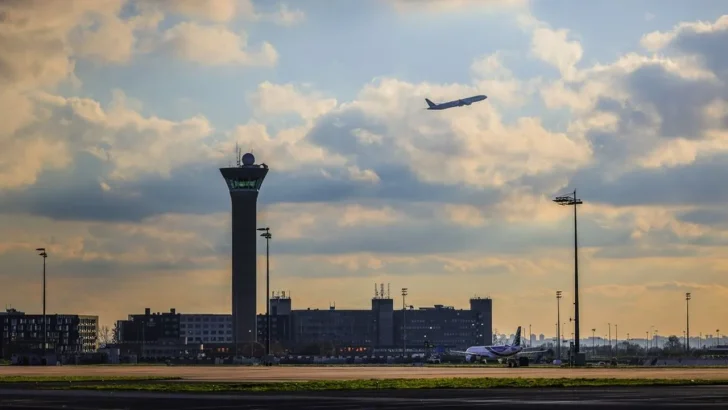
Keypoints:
pixel 383 320
pixel 244 182
pixel 379 329
pixel 67 334
pixel 484 307
pixel 149 328
pixel 280 321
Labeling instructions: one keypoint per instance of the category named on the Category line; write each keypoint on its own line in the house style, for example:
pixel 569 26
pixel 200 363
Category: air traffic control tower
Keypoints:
pixel 244 182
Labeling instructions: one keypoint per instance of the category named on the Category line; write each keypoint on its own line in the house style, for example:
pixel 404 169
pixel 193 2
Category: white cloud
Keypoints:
pixel 213 10
pixel 285 16
pixel 286 151
pixel 271 99
pixel 444 6
pixel 658 40
pixel 554 47
pixel 213 45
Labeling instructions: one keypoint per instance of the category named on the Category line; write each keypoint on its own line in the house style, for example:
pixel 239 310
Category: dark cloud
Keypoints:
pixel 707 217
pixel 440 236
pixel 701 183
pixel 634 251
pixel 76 193
pixel 678 100
pixel 710 46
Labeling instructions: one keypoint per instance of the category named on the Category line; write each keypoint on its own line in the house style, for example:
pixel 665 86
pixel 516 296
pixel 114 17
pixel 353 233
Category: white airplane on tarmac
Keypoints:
pixel 507 352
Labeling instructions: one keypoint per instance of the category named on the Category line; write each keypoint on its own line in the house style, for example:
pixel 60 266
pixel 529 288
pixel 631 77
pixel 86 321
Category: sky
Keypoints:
pixel 117 115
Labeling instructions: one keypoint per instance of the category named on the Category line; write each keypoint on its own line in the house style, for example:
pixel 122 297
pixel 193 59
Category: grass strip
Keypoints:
pixel 81 379
pixel 385 384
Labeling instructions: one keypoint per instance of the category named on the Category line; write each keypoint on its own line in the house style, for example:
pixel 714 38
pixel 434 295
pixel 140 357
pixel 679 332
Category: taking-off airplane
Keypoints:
pixel 456 103
pixel 496 352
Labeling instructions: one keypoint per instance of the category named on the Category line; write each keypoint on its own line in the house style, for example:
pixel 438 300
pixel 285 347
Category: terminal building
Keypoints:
pixel 381 329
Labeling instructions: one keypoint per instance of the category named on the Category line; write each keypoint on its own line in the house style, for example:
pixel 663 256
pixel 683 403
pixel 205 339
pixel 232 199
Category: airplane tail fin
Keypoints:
pixel 517 338
pixel 430 103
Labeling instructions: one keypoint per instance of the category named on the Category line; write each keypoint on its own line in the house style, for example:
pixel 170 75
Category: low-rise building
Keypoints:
pixel 66 334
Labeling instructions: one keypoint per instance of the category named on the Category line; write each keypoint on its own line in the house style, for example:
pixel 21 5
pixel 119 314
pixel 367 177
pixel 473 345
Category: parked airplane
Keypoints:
pixel 456 103
pixel 496 352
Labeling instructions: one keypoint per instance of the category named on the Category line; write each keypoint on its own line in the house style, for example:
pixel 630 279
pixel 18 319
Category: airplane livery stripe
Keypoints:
pixel 495 353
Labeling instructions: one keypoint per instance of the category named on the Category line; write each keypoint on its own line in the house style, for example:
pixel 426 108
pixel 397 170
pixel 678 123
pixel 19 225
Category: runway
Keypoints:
pixel 695 397
pixel 291 373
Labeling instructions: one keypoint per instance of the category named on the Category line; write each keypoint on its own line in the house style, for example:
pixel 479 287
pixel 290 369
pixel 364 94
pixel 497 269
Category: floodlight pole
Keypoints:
pixel 688 296
pixel 44 254
pixel 404 324
pixel 574 201
pixel 558 322
pixel 266 234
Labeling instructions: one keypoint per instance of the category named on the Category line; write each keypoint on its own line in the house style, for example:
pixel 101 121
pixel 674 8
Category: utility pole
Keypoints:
pixel 688 296
pixel 616 341
pixel 574 201
pixel 44 254
pixel 266 234
pixel 404 323
pixel 594 338
pixel 558 321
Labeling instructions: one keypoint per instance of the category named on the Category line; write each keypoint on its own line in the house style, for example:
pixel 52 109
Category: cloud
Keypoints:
pixel 440 6
pixel 287 98
pixel 213 45
pixel 365 185
pixel 219 11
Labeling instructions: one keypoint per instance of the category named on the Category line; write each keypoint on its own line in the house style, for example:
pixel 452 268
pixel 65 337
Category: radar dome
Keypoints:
pixel 248 159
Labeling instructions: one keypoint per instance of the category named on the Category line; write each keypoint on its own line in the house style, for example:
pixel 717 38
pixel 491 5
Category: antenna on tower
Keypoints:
pixel 381 290
pixel 237 155
pixel 376 292
pixel 388 291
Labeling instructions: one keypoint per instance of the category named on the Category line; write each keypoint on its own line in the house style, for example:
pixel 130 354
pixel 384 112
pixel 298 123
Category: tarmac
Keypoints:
pixel 301 373
pixel 692 397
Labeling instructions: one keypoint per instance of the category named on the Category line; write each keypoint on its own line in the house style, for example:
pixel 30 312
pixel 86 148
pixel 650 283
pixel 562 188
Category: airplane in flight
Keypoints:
pixel 456 103
pixel 508 352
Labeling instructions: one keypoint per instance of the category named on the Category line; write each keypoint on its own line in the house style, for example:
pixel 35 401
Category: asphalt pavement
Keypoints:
pixel 693 397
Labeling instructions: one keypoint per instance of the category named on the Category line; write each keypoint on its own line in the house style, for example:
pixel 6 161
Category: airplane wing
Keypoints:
pixel 460 352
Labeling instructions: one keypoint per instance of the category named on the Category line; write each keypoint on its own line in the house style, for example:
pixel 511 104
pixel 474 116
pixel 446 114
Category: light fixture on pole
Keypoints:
pixel 266 234
pixel 558 322
pixel 609 333
pixel 572 200
pixel 42 252
pixel 688 296
pixel 404 323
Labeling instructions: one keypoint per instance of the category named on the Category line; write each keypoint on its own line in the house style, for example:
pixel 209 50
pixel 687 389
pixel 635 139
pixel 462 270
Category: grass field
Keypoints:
pixel 346 385
pixel 81 379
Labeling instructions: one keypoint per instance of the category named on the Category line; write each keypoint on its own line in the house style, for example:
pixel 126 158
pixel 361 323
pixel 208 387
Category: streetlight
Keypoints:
pixel 42 252
pixel 404 323
pixel 688 296
pixel 574 201
pixel 609 325
pixel 594 338
pixel 266 234
pixel 717 332
pixel 558 321
pixel 616 340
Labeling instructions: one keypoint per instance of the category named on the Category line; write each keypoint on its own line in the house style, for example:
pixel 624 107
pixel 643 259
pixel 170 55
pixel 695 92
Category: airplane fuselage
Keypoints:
pixel 456 103
pixel 492 352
